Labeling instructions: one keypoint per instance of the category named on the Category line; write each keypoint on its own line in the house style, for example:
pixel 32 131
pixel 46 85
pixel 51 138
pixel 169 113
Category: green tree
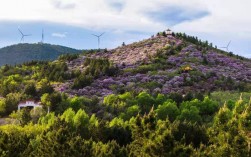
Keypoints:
pixel 45 99
pixel 160 99
pixel 168 110
pixel 22 117
pixel 223 116
pixel 12 101
pixel 130 112
pixel 13 143
pixel 30 89
pixel 81 119
pixel 76 103
pixel 2 107
pixel 36 113
pixel 128 98
pixel 145 101
pixel 110 149
pixel 176 97
pixel 112 101
pixel 82 81
pixel 189 133
pixel 119 131
pixel 11 84
pixel 52 101
pixel 25 116
pixel 208 106
pixel 44 86
pixel 68 116
pixel 190 114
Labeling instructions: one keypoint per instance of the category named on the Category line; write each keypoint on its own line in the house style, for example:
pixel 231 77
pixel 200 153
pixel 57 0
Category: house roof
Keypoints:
pixel 30 100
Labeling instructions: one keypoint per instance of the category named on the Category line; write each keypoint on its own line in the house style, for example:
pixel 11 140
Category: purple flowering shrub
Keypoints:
pixel 165 65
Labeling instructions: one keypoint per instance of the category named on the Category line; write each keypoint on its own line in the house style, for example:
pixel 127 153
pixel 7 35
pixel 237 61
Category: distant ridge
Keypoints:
pixel 20 53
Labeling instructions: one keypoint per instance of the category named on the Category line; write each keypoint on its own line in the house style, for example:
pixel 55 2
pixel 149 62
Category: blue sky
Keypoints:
pixel 54 33
pixel 71 22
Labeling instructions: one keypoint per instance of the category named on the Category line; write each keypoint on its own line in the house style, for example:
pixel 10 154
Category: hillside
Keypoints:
pixel 21 53
pixel 166 64
pixel 170 95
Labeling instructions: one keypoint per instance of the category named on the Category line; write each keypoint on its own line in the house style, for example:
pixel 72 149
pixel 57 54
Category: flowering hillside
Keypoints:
pixel 165 64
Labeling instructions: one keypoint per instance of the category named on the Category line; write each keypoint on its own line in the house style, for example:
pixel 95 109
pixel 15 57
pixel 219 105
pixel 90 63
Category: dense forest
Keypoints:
pixel 29 52
pixel 132 125
pixel 142 109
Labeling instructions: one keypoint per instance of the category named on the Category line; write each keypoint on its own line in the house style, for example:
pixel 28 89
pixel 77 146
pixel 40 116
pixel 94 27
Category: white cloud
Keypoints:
pixel 227 16
pixel 95 14
pixel 62 4
pixel 59 35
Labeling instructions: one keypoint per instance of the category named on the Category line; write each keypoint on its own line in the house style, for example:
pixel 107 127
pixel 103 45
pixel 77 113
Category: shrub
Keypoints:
pixel 82 81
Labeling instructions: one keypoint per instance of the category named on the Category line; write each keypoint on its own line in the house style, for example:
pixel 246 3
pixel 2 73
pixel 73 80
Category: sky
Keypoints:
pixel 72 22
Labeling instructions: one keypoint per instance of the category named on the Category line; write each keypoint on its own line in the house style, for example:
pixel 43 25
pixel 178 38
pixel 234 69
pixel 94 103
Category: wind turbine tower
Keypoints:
pixel 23 35
pixel 98 36
pixel 42 36
pixel 42 40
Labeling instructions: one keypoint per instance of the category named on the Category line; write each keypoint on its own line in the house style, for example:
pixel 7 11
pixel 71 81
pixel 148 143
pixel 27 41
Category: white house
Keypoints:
pixel 29 103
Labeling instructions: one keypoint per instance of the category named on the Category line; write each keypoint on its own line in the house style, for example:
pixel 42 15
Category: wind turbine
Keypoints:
pixel 23 35
pixel 42 41
pixel 98 36
pixel 227 46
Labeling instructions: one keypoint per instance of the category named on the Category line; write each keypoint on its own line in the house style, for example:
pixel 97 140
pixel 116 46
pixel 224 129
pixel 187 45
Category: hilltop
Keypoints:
pixel 165 64
pixel 21 53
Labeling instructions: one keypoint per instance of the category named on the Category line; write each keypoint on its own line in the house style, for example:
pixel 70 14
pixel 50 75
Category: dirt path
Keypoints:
pixel 3 121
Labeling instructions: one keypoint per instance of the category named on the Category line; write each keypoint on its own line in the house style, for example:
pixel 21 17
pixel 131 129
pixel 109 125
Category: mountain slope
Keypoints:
pixel 20 53
pixel 166 64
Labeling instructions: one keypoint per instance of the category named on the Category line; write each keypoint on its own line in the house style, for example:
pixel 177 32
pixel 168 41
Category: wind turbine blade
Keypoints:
pixel 95 35
pixel 20 31
pixel 102 34
pixel 229 43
